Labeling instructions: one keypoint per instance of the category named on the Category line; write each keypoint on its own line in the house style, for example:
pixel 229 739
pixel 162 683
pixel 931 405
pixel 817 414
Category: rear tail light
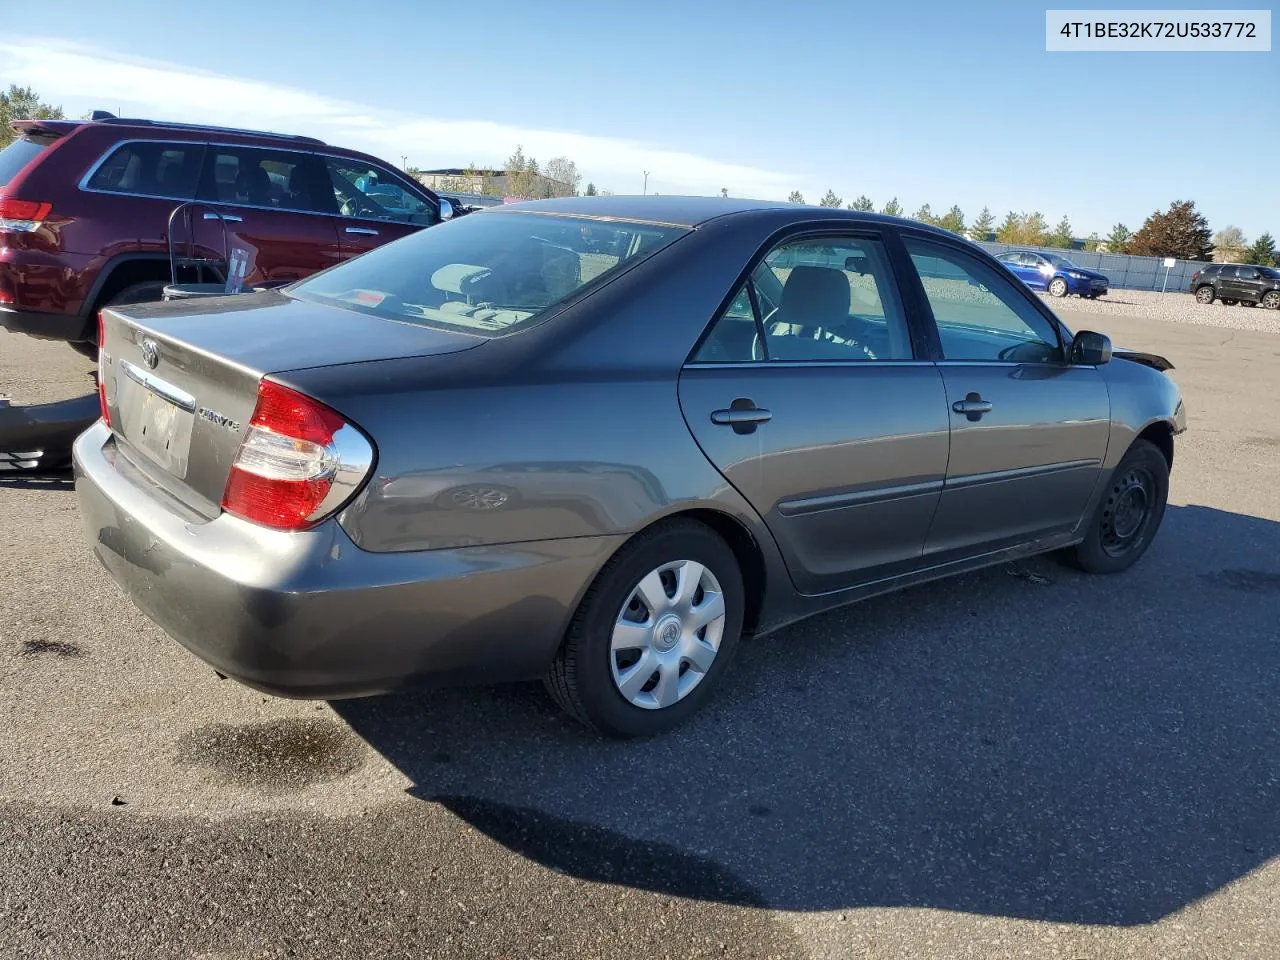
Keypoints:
pixel 23 215
pixel 103 360
pixel 298 463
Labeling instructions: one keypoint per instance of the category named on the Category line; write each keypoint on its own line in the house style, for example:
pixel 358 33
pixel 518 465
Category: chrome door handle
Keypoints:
pixel 229 217
pixel 363 231
pixel 972 406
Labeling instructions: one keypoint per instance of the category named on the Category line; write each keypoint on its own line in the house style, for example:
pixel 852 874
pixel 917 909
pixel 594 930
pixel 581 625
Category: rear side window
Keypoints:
pixel 150 168
pixel 253 177
pixel 486 273
pixel 17 155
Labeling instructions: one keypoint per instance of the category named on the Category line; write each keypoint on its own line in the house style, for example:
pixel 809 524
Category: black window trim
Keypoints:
pixel 1064 334
pixel 922 346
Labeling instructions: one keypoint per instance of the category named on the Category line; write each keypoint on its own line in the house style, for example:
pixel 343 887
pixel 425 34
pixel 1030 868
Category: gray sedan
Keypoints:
pixel 494 451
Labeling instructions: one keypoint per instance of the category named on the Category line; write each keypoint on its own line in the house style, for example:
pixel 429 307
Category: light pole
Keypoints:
pixel 404 162
pixel 646 183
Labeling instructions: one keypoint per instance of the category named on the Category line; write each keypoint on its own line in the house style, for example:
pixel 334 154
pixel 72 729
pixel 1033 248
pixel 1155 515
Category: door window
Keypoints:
pixel 367 192
pixel 828 299
pixel 1247 273
pixel 979 313
pixel 150 168
pixel 252 177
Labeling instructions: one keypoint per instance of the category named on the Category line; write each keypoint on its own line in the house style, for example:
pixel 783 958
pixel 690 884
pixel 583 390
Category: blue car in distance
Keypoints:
pixel 1054 273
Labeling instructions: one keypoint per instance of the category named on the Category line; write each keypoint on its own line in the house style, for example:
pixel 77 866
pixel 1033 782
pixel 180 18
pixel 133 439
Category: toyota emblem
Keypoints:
pixel 150 353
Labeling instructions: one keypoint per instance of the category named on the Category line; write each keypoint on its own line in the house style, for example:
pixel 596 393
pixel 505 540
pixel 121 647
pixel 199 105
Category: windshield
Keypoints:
pixel 487 272
pixel 1058 261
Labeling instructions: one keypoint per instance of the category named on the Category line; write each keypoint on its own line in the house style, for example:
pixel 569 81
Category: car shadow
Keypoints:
pixel 1046 745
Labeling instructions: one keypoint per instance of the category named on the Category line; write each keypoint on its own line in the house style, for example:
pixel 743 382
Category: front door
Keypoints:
pixel 376 205
pixel 272 203
pixel 1029 431
pixel 806 395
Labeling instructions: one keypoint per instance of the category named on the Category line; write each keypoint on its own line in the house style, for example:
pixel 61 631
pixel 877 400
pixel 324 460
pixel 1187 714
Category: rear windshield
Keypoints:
pixel 18 154
pixel 488 272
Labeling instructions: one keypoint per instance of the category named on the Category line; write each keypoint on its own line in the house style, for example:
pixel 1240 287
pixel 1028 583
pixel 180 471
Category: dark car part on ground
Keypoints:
pixel 35 441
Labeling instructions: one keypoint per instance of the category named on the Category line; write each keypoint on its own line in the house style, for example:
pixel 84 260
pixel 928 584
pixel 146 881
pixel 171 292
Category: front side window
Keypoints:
pixel 365 192
pixel 979 313
pixel 151 168
pixel 832 298
pixel 486 273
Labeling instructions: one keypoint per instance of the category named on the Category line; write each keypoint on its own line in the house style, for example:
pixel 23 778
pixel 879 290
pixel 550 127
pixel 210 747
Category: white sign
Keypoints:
pixel 1169 263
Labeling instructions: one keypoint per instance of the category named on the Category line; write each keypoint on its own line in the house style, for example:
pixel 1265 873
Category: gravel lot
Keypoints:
pixel 1171 307
pixel 1023 762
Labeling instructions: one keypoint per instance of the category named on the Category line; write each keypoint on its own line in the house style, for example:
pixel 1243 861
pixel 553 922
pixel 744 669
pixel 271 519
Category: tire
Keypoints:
pixel 1229 303
pixel 1111 545
pixel 1204 294
pixel 1271 300
pixel 150 291
pixel 1058 287
pixel 587 676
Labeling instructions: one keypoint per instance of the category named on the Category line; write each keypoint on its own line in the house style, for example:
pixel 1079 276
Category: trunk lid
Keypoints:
pixel 181 379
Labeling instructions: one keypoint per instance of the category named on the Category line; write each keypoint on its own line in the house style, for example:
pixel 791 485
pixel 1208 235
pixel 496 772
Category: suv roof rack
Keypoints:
pixel 102 116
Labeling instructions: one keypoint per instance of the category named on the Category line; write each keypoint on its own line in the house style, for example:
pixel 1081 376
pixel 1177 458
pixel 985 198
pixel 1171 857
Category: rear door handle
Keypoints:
pixel 741 415
pixel 972 406
pixel 363 231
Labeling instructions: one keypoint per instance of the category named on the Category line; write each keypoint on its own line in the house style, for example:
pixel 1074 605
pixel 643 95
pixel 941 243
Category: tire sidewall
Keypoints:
pixel 1212 295
pixel 1091 555
pixel 593 630
pixel 1056 284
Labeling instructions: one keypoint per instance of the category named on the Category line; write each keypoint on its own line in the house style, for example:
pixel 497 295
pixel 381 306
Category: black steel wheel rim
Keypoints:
pixel 1126 515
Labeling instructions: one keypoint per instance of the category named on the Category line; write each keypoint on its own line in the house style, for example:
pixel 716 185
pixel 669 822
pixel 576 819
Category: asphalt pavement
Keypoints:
pixel 1022 762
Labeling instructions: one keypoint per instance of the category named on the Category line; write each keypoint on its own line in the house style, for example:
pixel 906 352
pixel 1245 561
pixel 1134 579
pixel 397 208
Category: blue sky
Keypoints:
pixel 940 102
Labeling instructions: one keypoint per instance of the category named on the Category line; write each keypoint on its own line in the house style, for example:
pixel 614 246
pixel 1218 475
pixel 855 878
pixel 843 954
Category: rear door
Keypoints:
pixel 806 393
pixel 274 205
pixel 1029 431
pixel 375 204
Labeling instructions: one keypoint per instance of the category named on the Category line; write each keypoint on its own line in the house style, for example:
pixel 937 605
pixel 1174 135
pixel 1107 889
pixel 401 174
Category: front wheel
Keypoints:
pixel 1272 300
pixel 1130 513
pixel 1204 294
pixel 654 633
pixel 1058 287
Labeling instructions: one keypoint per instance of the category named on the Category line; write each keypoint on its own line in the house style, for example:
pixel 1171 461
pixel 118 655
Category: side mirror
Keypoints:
pixel 1090 349
pixel 446 209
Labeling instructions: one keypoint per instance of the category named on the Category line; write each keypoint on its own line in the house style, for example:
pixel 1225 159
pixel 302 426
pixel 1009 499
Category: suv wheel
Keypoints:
pixel 1204 294
pixel 148 292
pixel 1272 300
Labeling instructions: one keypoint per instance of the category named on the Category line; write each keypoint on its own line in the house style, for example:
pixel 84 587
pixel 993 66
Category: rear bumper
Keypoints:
pixel 312 615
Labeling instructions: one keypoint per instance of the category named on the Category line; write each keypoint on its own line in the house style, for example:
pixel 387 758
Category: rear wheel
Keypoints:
pixel 1204 294
pixel 654 633
pixel 147 292
pixel 1130 513
pixel 1272 300
pixel 1058 287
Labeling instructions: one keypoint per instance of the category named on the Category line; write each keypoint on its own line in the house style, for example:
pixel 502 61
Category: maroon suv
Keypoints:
pixel 85 210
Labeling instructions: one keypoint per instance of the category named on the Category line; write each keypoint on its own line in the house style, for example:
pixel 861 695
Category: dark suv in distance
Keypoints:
pixel 1234 283
pixel 85 207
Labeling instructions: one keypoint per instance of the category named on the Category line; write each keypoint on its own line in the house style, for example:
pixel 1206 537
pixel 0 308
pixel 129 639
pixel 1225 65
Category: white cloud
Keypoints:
pixel 75 74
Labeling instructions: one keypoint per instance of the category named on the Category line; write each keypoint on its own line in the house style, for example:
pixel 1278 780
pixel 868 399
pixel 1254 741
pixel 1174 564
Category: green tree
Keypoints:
pixel 795 197
pixel 893 208
pixel 724 192
pixel 1092 242
pixel 924 214
pixel 1229 245
pixel 1118 239
pixel 1010 231
pixel 591 189
pixel 23 103
pixel 983 226
pixel 952 220
pixel 1262 252
pixel 829 199
pixel 863 204
pixel 1035 230
pixel 1181 231
pixel 1061 236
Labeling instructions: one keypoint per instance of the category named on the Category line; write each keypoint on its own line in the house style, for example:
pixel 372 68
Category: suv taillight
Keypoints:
pixel 103 359
pixel 23 215
pixel 299 461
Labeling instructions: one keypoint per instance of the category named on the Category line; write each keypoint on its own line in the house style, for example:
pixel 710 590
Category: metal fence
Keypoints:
pixel 1123 271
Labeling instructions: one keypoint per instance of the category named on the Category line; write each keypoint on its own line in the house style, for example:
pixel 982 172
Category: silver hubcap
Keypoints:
pixel 667 634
